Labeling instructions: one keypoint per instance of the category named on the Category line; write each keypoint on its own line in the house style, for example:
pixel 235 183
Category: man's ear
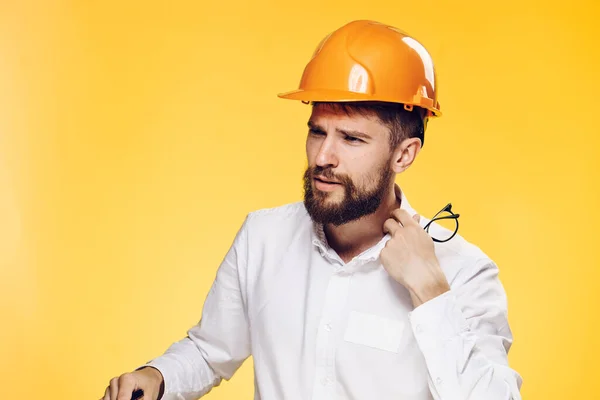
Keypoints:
pixel 405 154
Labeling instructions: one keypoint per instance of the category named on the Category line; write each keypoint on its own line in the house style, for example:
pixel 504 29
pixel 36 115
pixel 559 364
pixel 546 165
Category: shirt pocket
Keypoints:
pixel 374 331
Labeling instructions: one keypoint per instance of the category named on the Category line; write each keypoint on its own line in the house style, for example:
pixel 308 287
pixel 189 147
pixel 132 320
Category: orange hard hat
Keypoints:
pixel 370 61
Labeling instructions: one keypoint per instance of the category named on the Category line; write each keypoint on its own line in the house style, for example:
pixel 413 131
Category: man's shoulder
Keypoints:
pixel 458 255
pixel 294 209
pixel 462 248
pixel 280 218
pixel 462 259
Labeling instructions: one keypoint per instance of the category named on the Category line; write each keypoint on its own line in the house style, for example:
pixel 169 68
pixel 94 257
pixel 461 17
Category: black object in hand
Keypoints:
pixel 138 394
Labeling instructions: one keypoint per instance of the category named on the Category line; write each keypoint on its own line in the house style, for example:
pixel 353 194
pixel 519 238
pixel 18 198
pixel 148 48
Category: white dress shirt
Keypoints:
pixel 319 328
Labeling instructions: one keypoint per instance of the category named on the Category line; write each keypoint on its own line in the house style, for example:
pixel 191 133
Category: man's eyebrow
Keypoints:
pixel 315 127
pixel 347 132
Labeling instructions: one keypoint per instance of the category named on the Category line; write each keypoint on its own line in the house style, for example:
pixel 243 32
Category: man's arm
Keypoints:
pixel 465 338
pixel 218 345
pixel 461 327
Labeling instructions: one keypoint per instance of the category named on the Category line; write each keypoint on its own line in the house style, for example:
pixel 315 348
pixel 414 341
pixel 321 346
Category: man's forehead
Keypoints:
pixel 324 116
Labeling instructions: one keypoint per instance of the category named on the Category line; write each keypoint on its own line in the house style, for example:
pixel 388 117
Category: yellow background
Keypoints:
pixel 135 137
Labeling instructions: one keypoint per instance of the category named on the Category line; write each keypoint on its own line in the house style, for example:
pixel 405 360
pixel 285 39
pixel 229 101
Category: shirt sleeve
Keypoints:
pixel 465 338
pixel 218 345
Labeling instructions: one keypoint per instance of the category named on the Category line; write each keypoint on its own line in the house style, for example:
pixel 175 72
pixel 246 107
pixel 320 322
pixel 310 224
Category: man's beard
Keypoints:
pixel 356 203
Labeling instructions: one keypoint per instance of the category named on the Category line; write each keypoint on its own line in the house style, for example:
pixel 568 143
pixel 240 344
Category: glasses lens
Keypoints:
pixel 443 226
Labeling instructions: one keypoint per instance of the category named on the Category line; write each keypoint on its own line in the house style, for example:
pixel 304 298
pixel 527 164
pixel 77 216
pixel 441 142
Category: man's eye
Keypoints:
pixel 353 139
pixel 316 133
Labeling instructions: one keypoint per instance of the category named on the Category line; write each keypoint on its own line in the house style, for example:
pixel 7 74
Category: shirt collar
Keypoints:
pixel 320 241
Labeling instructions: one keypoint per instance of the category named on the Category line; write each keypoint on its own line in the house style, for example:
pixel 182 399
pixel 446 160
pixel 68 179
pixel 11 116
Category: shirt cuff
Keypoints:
pixel 437 320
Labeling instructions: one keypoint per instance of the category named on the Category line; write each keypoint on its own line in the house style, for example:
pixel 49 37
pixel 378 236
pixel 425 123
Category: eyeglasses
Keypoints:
pixel 444 213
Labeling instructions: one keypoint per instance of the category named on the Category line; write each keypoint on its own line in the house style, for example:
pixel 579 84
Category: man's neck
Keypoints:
pixel 351 239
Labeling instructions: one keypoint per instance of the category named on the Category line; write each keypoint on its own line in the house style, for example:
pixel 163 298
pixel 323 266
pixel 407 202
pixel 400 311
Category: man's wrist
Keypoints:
pixel 423 291
pixel 157 376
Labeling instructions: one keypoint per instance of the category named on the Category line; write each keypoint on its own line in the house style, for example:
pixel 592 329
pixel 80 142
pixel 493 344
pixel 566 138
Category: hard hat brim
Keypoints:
pixel 325 95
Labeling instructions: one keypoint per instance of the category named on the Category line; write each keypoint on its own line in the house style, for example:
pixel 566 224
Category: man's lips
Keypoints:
pixel 318 178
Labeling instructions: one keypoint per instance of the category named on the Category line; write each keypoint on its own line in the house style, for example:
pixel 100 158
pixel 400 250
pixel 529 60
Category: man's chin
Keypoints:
pixel 329 201
pixel 330 194
pixel 329 217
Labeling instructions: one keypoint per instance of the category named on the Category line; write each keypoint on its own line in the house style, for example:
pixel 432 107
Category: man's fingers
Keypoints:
pixel 114 388
pixel 106 394
pixel 127 385
pixel 417 218
pixel 390 226
pixel 403 217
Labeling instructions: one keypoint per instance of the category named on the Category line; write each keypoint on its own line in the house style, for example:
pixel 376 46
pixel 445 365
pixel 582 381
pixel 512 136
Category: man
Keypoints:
pixel 345 295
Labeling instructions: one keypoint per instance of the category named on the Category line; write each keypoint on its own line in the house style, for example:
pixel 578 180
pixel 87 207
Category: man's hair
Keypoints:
pixel 403 124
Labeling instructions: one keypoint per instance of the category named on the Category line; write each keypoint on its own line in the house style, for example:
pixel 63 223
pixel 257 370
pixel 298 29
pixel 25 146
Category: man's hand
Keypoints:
pixel 409 258
pixel 148 379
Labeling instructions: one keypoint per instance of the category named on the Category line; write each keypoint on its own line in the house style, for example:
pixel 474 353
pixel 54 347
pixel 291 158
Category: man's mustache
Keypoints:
pixel 328 173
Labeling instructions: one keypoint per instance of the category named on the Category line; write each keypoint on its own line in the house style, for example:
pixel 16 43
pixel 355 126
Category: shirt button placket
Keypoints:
pixel 335 301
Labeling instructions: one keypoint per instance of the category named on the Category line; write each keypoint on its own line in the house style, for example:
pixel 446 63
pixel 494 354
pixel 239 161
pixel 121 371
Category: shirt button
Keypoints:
pixel 326 381
pixel 419 329
pixel 328 327
pixel 438 381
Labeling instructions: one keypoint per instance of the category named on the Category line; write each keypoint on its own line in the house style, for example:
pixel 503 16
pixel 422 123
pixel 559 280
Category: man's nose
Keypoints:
pixel 326 157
